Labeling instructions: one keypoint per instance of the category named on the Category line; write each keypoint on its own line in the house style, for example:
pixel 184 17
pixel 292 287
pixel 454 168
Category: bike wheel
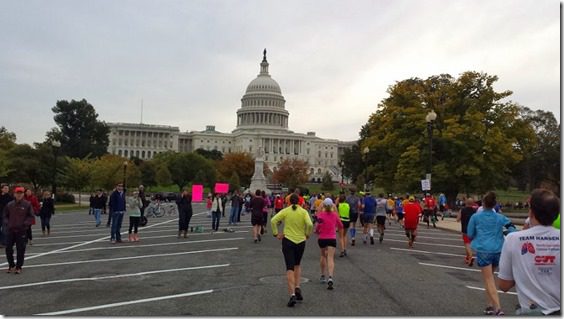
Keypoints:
pixel 159 211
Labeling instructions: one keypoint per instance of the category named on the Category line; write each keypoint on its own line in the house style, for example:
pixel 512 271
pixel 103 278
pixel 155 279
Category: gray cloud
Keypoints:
pixel 190 61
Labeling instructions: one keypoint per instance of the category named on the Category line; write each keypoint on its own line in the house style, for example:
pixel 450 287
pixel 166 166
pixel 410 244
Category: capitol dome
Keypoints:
pixel 263 105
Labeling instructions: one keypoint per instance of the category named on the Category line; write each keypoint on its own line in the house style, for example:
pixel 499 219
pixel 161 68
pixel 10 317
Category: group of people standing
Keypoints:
pixel 18 212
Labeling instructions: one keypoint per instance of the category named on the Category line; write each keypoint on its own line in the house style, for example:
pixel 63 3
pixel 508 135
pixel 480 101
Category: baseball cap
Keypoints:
pixel 19 189
pixel 327 202
pixel 411 198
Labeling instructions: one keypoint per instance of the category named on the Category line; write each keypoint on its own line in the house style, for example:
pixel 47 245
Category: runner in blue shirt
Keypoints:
pixel 399 210
pixel 368 213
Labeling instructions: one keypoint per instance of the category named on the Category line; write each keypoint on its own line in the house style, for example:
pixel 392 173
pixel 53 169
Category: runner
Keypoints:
pixel 327 220
pixel 278 204
pixel 354 205
pixel 257 206
pixel 411 215
pixel 399 210
pixel 464 217
pixel 390 204
pixel 367 216
pixel 530 259
pixel 381 212
pixel 485 230
pixel 430 211
pixel 344 214
pixel 297 228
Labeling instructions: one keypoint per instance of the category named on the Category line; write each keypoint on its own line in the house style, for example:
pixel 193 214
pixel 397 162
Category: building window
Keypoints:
pixel 119 152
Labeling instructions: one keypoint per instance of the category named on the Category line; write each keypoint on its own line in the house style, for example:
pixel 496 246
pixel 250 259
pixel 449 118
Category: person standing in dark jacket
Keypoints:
pixel 144 202
pixel 117 210
pixel 17 216
pixel 184 204
pixel 5 198
pixel 47 210
pixel 98 206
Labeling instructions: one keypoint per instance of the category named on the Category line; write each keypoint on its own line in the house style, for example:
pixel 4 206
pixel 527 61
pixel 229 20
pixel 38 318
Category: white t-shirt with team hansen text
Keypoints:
pixel 531 258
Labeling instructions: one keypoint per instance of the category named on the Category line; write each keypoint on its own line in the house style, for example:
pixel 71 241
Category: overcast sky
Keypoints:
pixel 191 61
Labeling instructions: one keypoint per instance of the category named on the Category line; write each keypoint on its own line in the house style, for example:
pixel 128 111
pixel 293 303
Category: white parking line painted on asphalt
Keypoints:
pixel 133 257
pixel 74 246
pixel 499 291
pixel 452 267
pixel 420 243
pixel 32 284
pixel 426 252
pixel 423 236
pixel 125 303
pixel 127 246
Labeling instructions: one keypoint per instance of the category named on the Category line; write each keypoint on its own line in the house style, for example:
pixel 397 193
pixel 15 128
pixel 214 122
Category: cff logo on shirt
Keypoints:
pixel 527 247
pixel 545 260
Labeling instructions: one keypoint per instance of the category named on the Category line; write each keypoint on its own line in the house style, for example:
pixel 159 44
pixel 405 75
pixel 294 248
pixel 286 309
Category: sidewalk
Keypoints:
pixel 450 224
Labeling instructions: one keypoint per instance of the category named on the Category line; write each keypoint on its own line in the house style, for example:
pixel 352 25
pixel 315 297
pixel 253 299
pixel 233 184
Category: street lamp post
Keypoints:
pixel 56 145
pixel 342 173
pixel 365 152
pixel 124 174
pixel 430 118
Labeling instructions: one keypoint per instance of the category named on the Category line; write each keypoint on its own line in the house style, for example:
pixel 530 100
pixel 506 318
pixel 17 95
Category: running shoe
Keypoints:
pixel 292 301
pixel 18 271
pixel 352 242
pixel 342 254
pixel 10 270
pixel 322 279
pixel 330 283
pixel 371 240
pixel 489 311
pixel 381 238
pixel 298 293
pixel 499 312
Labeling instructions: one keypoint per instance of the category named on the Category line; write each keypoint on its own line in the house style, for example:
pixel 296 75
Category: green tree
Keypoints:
pixel 327 182
pixel 79 131
pixel 148 173
pixel 7 142
pixel 29 165
pixel 234 182
pixel 241 163
pixel 163 176
pixel 184 167
pixel 78 175
pixel 108 170
pixel 540 166
pixel 474 136
pixel 291 172
pixel 213 155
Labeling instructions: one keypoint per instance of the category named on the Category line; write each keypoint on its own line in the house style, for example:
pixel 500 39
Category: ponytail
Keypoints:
pixel 294 199
pixel 294 206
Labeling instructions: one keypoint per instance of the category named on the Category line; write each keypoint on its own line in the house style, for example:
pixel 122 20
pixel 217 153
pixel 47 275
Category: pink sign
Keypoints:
pixel 221 188
pixel 197 193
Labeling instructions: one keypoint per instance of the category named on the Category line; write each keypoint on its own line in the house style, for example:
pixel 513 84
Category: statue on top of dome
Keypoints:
pixel 264 55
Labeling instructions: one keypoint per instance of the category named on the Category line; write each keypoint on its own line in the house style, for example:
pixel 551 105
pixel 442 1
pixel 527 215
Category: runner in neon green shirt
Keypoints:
pixel 297 228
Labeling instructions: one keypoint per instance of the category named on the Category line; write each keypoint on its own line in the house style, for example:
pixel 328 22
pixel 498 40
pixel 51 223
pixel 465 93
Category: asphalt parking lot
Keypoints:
pixel 77 271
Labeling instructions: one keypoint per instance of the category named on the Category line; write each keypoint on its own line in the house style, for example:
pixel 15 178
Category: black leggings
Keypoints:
pixel 184 220
pixel 45 222
pixel 292 253
pixel 28 233
pixel 133 224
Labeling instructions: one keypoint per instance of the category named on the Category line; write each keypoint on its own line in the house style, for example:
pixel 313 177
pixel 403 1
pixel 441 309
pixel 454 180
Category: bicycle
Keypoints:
pixel 158 209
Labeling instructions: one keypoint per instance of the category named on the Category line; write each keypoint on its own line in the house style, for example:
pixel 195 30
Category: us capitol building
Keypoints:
pixel 262 125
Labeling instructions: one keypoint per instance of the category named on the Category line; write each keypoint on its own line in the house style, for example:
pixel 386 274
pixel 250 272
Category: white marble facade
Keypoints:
pixel 262 121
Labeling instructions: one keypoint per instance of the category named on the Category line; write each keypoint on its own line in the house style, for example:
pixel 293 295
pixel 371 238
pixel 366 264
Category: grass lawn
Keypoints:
pixel 62 208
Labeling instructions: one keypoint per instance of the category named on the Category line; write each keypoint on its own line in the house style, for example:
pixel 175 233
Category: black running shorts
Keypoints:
pixel 323 243
pixel 346 225
pixel 292 253
pixel 368 218
pixel 353 217
pixel 381 220
pixel 256 219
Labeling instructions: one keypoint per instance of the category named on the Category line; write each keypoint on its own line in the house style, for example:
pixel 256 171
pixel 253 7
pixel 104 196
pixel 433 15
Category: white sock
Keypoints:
pixel 371 232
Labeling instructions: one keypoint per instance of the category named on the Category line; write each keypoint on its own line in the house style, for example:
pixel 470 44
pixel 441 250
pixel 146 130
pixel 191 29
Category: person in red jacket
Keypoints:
pixel 17 216
pixel 411 213
pixel 278 204
pixel 430 211
pixel 32 199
